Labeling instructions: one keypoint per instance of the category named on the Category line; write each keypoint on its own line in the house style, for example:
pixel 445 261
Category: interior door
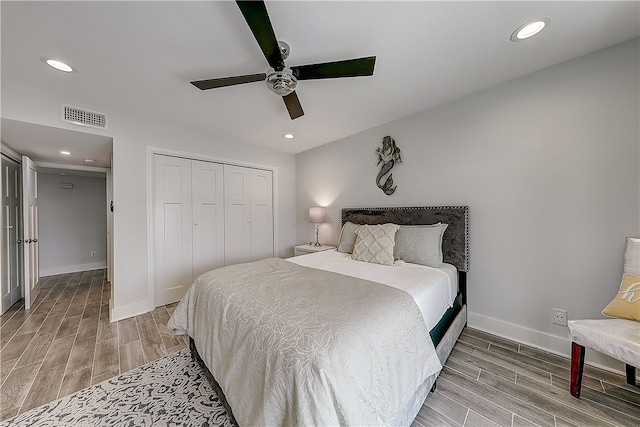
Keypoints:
pixel 30 231
pixel 10 277
pixel 172 222
pixel 207 192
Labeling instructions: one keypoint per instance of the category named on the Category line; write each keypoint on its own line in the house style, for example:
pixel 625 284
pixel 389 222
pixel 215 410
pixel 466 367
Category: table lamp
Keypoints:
pixel 317 215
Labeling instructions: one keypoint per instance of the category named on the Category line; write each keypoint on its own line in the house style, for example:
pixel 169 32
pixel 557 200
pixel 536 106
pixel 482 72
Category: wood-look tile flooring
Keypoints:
pixel 65 342
pixel 491 381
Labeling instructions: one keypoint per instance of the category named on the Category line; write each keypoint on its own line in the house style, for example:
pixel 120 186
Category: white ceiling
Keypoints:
pixel 137 58
pixel 44 143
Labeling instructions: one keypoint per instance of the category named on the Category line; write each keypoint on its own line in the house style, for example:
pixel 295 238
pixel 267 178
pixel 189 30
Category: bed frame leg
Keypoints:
pixel 631 374
pixel 433 387
pixel 577 367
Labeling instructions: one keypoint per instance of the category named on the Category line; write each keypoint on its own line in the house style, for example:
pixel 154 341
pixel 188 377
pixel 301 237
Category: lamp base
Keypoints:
pixel 317 243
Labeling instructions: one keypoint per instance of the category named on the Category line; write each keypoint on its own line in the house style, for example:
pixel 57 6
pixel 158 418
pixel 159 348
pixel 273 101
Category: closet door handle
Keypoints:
pixel 19 241
pixel 35 240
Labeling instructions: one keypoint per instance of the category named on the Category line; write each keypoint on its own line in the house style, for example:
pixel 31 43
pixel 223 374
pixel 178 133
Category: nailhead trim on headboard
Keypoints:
pixel 455 244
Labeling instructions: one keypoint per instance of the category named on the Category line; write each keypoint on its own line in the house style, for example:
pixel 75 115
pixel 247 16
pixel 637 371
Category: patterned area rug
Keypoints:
pixel 171 391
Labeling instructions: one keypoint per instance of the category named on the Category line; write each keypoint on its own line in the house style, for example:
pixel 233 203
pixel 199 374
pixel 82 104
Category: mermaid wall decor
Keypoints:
pixel 388 156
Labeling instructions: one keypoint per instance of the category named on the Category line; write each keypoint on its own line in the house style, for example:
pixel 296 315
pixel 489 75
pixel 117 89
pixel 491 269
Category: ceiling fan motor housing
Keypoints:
pixel 281 82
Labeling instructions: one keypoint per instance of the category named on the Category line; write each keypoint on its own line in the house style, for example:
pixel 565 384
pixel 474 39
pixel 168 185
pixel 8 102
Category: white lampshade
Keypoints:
pixel 316 214
pixel 632 256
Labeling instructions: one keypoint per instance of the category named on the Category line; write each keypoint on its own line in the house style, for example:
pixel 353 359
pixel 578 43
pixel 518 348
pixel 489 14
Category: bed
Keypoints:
pixel 307 341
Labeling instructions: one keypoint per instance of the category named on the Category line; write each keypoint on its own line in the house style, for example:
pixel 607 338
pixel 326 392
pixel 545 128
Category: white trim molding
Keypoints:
pixel 129 310
pixel 542 340
pixel 10 153
pixel 44 272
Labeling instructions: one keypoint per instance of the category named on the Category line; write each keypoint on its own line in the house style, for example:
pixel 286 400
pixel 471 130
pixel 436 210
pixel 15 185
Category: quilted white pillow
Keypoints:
pixel 375 243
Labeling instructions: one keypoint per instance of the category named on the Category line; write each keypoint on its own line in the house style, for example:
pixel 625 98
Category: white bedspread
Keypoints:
pixel 433 289
pixel 341 351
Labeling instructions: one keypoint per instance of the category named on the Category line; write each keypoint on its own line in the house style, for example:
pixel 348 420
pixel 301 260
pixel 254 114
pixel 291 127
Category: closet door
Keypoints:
pixel 173 231
pixel 208 216
pixel 261 214
pixel 248 214
pixel 237 214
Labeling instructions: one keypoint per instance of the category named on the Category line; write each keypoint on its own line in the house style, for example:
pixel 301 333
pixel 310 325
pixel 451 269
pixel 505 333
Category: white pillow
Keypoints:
pixel 375 243
pixel 420 244
pixel 347 237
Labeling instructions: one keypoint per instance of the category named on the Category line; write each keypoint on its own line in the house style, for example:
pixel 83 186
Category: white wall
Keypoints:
pixel 549 165
pixel 72 223
pixel 131 219
pixel 131 137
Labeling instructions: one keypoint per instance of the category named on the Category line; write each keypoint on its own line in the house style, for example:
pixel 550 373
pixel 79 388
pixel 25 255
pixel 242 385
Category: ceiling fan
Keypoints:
pixel 279 78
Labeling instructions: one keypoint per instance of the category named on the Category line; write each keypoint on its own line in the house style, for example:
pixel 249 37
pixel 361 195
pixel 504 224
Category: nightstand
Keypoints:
pixel 309 249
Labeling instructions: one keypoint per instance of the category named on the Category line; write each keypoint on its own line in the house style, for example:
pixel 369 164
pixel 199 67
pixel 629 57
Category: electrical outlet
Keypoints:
pixel 93 254
pixel 559 317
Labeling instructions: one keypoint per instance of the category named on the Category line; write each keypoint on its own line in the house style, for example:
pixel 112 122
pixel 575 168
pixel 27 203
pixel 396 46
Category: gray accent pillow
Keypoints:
pixel 347 237
pixel 374 243
pixel 420 244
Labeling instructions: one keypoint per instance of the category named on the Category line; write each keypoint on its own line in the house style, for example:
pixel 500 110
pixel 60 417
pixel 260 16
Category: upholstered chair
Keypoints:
pixel 618 336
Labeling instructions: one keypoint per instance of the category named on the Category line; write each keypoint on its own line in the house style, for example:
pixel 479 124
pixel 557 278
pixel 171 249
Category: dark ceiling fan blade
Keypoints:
pixel 228 81
pixel 293 105
pixel 331 70
pixel 255 13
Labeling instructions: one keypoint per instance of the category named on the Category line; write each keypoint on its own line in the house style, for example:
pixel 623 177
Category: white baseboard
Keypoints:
pixel 44 272
pixel 129 310
pixel 542 340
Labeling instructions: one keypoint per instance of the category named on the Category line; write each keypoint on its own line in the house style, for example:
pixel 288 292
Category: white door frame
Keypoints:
pixel 12 236
pixel 11 155
pixel 109 208
pixel 151 151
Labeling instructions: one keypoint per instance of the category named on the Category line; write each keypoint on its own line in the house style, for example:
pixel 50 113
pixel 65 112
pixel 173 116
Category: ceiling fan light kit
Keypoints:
pixel 281 82
pixel 281 79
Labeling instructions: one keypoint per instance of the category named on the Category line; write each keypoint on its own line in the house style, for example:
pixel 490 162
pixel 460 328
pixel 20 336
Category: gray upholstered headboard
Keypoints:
pixel 455 242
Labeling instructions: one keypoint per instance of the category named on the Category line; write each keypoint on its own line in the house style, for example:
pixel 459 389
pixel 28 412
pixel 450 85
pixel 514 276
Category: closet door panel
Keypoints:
pixel 261 214
pixel 172 228
pixel 173 253
pixel 237 207
pixel 208 216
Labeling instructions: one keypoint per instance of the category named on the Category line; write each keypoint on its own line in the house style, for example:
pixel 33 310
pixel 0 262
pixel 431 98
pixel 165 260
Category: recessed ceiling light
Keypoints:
pixel 288 135
pixel 66 153
pixel 58 65
pixel 529 29
pixel 89 160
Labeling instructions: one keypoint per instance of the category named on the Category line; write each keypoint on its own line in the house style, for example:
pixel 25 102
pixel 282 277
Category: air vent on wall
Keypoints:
pixel 82 117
